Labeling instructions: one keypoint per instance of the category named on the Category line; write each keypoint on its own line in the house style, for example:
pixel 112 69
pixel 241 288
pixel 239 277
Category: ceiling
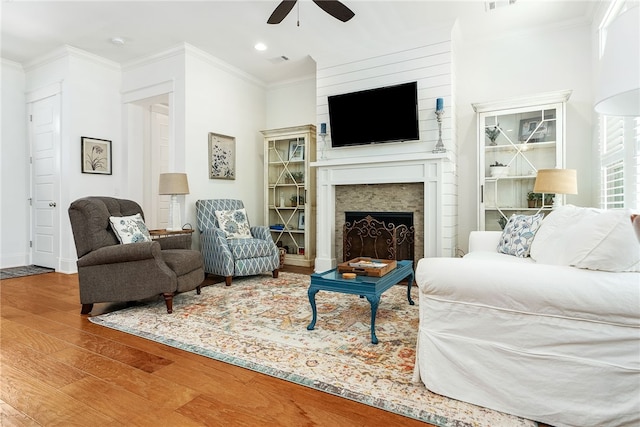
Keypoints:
pixel 229 30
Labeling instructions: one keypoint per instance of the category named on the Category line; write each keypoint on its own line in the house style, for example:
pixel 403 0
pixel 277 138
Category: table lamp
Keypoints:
pixel 174 184
pixel 556 181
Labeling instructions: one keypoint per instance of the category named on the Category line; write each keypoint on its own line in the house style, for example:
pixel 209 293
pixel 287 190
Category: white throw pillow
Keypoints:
pixel 235 224
pixel 589 238
pixel 130 229
pixel 518 234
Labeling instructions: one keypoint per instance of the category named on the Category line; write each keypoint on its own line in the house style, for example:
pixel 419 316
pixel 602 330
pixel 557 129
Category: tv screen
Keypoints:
pixel 385 114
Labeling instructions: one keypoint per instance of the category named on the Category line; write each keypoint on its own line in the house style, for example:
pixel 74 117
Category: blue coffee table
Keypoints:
pixel 367 286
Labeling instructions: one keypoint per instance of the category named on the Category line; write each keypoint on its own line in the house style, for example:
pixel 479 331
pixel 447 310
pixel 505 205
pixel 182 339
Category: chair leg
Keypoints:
pixel 227 280
pixel 198 290
pixel 168 300
pixel 86 308
pixel 275 273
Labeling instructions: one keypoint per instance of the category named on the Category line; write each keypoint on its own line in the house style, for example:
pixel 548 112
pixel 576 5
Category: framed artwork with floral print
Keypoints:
pixel 96 155
pixel 222 156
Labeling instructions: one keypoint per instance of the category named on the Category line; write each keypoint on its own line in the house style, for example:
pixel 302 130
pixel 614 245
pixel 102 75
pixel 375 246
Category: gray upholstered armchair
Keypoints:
pixel 227 256
pixel 112 272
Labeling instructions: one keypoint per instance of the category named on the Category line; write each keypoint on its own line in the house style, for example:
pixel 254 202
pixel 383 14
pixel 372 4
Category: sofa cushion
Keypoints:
pixel 130 229
pixel 234 223
pixel 589 238
pixel 518 234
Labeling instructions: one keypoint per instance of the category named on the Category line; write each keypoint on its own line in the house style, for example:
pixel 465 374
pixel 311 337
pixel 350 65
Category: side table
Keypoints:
pixel 173 239
pixel 163 232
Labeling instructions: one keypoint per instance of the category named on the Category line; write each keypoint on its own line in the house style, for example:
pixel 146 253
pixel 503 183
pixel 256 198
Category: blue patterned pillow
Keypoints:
pixel 518 234
pixel 235 224
pixel 130 229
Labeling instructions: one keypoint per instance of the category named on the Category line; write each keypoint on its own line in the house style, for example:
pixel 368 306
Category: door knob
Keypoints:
pixel 52 204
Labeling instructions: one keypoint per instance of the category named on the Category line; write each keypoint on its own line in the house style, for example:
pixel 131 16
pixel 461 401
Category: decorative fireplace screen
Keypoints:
pixel 378 238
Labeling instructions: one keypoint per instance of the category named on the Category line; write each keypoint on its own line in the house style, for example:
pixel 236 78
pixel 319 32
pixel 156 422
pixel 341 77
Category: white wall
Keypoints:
pixel 14 161
pixel 291 103
pixel 229 102
pixel 520 65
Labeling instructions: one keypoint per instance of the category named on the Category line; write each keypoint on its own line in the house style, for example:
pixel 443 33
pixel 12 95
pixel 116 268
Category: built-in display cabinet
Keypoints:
pixel 290 203
pixel 516 138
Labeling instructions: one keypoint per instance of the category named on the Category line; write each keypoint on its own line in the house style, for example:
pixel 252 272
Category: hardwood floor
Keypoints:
pixel 57 368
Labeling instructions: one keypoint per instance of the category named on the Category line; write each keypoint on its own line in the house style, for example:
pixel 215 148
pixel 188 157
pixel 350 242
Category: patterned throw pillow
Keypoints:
pixel 130 229
pixel 235 224
pixel 518 234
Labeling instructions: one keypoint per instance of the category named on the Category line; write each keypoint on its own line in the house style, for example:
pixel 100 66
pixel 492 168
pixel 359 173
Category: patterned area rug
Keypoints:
pixel 28 270
pixel 260 323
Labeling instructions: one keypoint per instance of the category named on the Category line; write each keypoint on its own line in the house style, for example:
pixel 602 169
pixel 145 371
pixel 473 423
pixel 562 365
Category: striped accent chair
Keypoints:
pixel 231 257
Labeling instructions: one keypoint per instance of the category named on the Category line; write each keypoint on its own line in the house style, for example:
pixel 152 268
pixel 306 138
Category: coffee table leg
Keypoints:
pixel 312 300
pixel 374 300
pixel 409 285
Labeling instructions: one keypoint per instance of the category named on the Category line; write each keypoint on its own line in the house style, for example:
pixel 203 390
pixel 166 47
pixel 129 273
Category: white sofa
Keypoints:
pixel 522 335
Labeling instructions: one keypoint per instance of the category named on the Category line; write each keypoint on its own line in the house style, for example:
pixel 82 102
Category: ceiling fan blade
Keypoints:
pixel 281 11
pixel 335 9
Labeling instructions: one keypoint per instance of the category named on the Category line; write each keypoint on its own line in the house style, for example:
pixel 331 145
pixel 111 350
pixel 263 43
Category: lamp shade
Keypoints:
pixel 618 88
pixel 556 181
pixel 173 183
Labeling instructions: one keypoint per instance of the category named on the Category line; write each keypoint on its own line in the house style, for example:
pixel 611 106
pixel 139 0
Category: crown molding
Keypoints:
pixel 67 51
pixel 185 49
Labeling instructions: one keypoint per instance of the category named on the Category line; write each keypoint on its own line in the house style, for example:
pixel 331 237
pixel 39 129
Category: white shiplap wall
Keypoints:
pixel 428 62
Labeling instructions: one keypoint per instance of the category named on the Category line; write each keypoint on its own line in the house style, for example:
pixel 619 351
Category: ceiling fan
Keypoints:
pixel 332 7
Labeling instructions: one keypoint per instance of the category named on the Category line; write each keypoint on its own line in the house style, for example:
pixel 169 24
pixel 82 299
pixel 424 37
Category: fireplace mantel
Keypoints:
pixel 435 171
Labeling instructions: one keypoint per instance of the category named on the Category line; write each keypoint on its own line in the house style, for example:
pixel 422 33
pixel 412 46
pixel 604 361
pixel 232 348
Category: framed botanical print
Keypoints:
pixel 222 156
pixel 96 155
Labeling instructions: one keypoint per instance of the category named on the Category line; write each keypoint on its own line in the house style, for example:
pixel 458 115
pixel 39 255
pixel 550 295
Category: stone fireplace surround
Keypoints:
pixel 426 168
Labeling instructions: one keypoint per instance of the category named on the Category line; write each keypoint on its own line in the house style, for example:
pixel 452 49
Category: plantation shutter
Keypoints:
pixel 620 162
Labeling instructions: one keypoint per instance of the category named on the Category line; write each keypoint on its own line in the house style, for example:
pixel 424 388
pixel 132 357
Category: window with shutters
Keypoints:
pixel 620 162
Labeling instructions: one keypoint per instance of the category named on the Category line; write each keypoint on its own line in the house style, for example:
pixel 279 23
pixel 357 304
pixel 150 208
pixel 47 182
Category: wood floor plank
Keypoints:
pixel 38 365
pixel 43 403
pixel 163 392
pixel 128 355
pixel 11 417
pixel 37 340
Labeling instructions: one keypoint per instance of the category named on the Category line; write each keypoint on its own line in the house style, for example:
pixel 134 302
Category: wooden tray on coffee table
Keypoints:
pixel 365 270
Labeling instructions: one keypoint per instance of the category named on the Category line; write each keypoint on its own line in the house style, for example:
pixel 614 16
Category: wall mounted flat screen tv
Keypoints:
pixel 386 114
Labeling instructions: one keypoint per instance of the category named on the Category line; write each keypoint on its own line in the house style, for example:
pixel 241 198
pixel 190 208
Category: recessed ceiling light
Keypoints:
pixel 118 41
pixel 260 46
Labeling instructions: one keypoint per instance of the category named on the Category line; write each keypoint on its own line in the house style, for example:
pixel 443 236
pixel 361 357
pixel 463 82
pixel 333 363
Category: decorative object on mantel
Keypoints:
pixel 96 156
pixel 222 156
pixel 439 114
pixel 493 133
pixel 323 135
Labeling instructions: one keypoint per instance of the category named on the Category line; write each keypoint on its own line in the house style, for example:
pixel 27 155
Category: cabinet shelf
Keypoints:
pixel 498 178
pixel 520 147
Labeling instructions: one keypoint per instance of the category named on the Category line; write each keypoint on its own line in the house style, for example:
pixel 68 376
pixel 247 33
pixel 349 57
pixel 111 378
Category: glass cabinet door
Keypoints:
pixel 513 144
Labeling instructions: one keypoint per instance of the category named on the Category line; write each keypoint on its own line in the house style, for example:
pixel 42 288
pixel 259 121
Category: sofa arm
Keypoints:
pixel 121 253
pixel 180 241
pixel 484 241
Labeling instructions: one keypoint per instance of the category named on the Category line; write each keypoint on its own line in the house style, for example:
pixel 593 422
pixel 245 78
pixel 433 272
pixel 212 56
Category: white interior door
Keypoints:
pixel 44 135
pixel 159 162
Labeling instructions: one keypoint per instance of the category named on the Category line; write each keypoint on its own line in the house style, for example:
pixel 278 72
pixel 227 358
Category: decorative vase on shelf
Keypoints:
pixel 492 134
